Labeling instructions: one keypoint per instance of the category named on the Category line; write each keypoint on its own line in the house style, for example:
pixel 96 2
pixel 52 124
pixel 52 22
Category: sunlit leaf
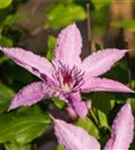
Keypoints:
pixel 60 15
pixel 132 102
pixel 132 84
pixel 60 147
pixel 102 118
pixel 16 146
pixel 11 19
pixel 98 4
pixel 59 103
pixel 4 41
pixel 126 24
pixel 51 47
pixel 24 126
pixel 89 126
pixel 103 101
pixel 5 3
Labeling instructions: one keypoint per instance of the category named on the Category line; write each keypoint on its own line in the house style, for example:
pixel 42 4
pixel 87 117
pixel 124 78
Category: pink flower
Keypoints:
pixel 67 76
pixel 76 138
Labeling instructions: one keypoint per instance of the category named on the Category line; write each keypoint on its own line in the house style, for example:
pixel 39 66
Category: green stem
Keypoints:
pixel 94 117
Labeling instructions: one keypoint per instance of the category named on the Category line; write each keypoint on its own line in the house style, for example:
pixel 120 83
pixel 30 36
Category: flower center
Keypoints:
pixel 68 79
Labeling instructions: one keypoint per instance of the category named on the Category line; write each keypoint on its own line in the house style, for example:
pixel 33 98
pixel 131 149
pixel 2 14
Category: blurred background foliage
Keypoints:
pixel 34 25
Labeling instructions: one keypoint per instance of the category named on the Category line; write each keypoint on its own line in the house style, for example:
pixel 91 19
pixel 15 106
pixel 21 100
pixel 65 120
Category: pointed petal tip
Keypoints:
pixel 129 90
pixel 32 62
pixel 0 48
pixel 132 91
pixel 103 84
pixel 72 113
pixel 102 61
pixel 127 108
pixel 73 25
pixel 66 134
pixel 69 38
pixel 12 105
pixel 124 121
pixel 77 105
pixel 9 109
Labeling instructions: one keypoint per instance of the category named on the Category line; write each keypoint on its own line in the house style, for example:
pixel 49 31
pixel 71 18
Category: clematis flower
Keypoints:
pixel 76 138
pixel 67 76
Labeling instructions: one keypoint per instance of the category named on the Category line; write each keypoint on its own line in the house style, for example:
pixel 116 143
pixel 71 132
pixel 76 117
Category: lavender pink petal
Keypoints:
pixel 73 137
pixel 69 44
pixel 30 95
pixel 30 61
pixel 98 84
pixel 101 61
pixel 122 130
pixel 80 107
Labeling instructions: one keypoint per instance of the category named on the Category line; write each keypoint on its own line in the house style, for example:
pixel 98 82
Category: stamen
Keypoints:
pixel 68 79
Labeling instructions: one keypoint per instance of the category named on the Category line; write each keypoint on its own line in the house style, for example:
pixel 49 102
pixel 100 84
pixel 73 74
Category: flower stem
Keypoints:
pixel 128 62
pixel 89 28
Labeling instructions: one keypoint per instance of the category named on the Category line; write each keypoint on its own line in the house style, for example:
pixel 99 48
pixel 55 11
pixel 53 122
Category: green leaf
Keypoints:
pixel 60 147
pixel 98 46
pixel 132 84
pixel 5 3
pixel 89 126
pixel 99 20
pixel 60 15
pixel 4 41
pixel 59 103
pixel 103 101
pixel 16 146
pixel 10 19
pixel 102 118
pixel 3 59
pixel 51 47
pixel 5 97
pixel 23 126
pixel 126 24
pixel 118 72
pixel 98 4
pixel 132 102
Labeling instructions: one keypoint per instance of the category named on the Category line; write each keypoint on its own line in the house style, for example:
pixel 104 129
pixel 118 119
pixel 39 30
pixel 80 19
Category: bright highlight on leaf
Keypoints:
pixel 23 126
pixel 5 3
pixel 70 13
pixel 68 75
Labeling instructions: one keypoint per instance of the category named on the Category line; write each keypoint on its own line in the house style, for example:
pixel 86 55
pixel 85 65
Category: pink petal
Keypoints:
pixel 98 84
pixel 73 137
pixel 122 130
pixel 30 61
pixel 101 61
pixel 72 113
pixel 69 45
pixel 30 95
pixel 82 109
pixel 77 105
